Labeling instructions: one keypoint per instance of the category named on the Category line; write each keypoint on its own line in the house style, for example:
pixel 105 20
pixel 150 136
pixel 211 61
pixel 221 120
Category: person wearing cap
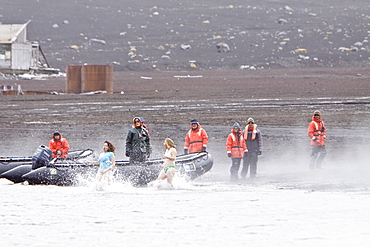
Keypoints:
pixel 317 133
pixel 253 140
pixel 196 139
pixel 235 148
pixel 138 146
pixel 59 145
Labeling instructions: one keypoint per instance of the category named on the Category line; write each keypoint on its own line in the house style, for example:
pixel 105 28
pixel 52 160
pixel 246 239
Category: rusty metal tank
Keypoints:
pixel 89 78
pixel 97 78
pixel 74 79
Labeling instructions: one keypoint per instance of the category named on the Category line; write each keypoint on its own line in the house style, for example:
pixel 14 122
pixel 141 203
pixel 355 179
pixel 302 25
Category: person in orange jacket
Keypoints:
pixel 196 140
pixel 59 146
pixel 236 148
pixel 317 133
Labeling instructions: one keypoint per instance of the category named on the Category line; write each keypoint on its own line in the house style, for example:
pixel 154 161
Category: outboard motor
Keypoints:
pixel 41 157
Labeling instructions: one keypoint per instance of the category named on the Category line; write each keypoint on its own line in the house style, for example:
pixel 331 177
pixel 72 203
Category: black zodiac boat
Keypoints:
pixel 63 174
pixel 40 169
pixel 13 168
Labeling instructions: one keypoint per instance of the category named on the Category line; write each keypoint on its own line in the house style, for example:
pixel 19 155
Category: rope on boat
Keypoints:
pixel 7 160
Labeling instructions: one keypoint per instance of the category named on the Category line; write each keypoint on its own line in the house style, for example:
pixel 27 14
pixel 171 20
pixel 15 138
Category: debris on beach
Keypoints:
pixel 300 50
pixel 97 41
pixel 248 67
pixel 193 65
pixel 263 34
pixel 188 76
pixel 282 21
pixel 223 47
pixel 185 47
pixel 33 75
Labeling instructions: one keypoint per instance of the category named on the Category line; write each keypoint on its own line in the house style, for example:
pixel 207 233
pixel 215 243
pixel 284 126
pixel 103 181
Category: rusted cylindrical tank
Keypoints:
pixel 74 79
pixel 97 78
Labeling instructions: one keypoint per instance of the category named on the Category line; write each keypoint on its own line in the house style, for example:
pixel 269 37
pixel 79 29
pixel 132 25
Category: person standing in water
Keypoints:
pixel 169 169
pixel 138 146
pixel 235 148
pixel 253 140
pixel 317 133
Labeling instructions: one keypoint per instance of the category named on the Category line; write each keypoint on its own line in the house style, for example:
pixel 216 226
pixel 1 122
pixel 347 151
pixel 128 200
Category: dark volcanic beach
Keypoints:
pixel 281 102
pixel 219 62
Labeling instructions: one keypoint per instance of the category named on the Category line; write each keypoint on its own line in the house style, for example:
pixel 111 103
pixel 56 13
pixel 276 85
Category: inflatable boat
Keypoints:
pixel 13 168
pixel 62 174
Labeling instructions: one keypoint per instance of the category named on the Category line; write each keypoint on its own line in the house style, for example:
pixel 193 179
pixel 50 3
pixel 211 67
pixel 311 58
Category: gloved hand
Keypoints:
pixel 245 154
pixel 229 155
pixel 127 154
pixel 259 152
pixel 204 149
pixel 315 139
pixel 186 151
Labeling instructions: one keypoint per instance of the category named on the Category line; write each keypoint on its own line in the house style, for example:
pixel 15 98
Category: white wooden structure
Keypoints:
pixel 16 52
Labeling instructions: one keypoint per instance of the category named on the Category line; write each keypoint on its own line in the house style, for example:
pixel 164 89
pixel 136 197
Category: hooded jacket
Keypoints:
pixel 59 145
pixel 235 144
pixel 138 146
pixel 317 132
pixel 196 139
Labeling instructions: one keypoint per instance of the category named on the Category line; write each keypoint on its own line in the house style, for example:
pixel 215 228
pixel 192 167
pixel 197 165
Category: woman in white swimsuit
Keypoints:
pixel 169 169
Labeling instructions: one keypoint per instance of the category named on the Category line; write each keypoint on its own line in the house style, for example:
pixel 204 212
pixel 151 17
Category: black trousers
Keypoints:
pixel 250 162
pixel 317 155
pixel 235 165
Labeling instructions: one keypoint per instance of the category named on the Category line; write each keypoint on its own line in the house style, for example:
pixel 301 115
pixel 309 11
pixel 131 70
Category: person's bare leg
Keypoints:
pixel 170 174
pixel 162 175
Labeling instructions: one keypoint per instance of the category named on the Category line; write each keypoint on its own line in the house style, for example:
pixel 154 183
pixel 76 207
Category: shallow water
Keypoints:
pixel 285 206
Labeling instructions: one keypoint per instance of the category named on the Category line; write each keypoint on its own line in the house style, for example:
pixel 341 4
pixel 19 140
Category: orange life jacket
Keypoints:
pixel 195 140
pixel 317 129
pixel 254 132
pixel 235 145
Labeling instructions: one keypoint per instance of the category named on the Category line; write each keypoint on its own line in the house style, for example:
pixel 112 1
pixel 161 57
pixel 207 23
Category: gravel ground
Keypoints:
pixel 281 102
pixel 135 35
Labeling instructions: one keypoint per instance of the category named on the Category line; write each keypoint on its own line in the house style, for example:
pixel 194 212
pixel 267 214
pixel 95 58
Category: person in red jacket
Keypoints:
pixel 196 139
pixel 317 133
pixel 59 146
pixel 236 148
